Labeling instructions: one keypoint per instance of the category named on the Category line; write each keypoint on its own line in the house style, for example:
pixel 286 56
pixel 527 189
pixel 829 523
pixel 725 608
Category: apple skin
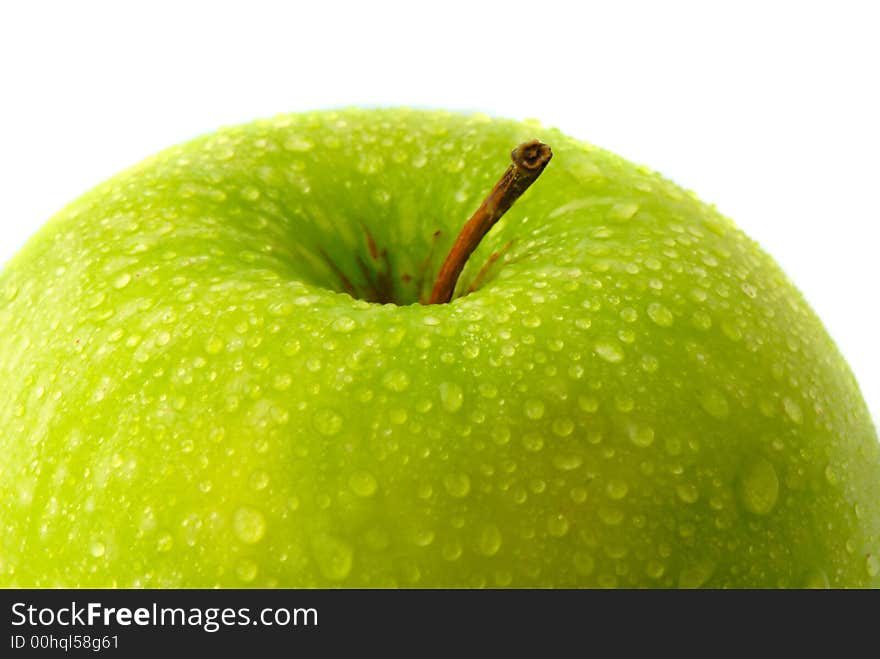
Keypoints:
pixel 635 396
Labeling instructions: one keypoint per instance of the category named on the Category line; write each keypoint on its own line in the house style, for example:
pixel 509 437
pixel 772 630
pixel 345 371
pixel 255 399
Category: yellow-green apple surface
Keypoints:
pixel 215 371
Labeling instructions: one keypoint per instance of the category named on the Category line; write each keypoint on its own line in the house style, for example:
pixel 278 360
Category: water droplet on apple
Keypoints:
pixel 165 543
pixel 280 309
pixel 617 489
pixel 627 336
pixel 97 396
pixel 793 410
pixel 872 564
pixel 291 347
pixel 451 551
pixel 122 280
pixel 831 475
pixel 282 382
pixel 563 427
pixel 344 324
pixel 249 525
pixel 696 575
pixel 96 300
pixel 687 492
pixel 534 409
pixel 489 540
pixel 758 486
pixel 246 570
pixel 395 381
pixel 97 549
pixel 250 193
pixel 224 153
pixel 701 320
pixel 650 363
pixel 588 404
pixel 557 525
pixel 370 163
pixel 533 442
pixel 334 556
pixel 578 494
pixel 501 435
pixel 654 569
pixel 191 527
pixel 10 291
pixel 629 315
pixel 327 422
pixel 363 484
pixel 611 516
pixel 714 402
pixel 623 211
pixel 518 494
pixel 142 355
pixel 487 390
pixel 653 264
pixel 214 345
pixel 660 314
pixel 259 480
pixel 456 165
pixel 298 143
pixel 610 351
pixel 422 537
pixel 304 300
pixel 457 485
pixel 641 435
pixel 749 290
pixel 148 520
pixel 567 461
pixel 451 396
pixel 470 351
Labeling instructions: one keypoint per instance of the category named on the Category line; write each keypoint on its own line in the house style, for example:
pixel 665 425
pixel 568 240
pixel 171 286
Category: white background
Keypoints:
pixel 769 110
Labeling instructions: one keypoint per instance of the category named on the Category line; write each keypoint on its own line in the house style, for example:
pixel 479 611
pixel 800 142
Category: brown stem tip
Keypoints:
pixel 529 160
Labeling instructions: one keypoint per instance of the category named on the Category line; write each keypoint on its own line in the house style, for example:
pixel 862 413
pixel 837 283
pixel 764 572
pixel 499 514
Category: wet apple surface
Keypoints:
pixel 216 372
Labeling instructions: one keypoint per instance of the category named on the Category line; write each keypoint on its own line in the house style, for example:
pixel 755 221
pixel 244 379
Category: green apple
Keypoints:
pixel 215 372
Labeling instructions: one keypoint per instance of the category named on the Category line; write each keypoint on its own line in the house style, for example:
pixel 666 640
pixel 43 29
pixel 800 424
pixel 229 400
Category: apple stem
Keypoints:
pixel 529 160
